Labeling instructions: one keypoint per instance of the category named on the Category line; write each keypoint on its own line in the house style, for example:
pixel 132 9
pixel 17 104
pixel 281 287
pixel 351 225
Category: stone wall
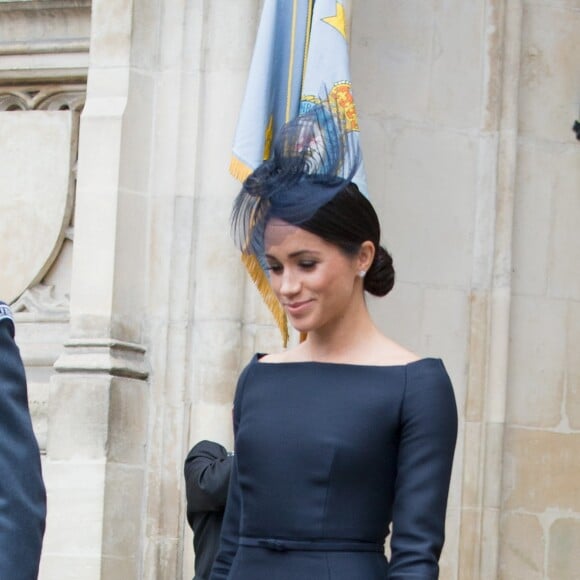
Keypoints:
pixel 540 525
pixel 137 321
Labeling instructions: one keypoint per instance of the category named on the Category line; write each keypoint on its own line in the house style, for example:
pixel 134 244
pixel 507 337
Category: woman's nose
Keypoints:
pixel 289 284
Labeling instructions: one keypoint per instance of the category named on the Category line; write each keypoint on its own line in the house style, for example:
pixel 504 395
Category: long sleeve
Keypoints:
pixel 22 492
pixel 427 445
pixel 233 514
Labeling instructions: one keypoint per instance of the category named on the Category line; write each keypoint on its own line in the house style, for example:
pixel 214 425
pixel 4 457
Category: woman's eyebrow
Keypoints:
pixel 300 252
pixel 293 254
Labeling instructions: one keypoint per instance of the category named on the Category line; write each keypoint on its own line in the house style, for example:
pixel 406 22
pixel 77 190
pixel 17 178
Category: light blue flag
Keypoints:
pixel 273 89
pixel 327 73
pixel 300 57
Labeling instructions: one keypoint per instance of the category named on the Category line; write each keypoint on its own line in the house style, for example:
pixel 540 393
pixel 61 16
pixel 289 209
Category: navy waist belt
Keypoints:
pixel 280 545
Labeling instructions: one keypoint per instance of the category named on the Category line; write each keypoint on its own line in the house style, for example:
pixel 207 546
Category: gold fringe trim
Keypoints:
pixel 263 285
pixel 268 138
pixel 239 170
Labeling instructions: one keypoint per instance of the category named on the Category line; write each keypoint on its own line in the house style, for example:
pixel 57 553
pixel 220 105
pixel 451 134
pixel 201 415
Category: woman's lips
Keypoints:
pixel 297 307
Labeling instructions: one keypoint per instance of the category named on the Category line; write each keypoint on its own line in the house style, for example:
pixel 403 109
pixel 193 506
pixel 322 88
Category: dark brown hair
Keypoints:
pixel 348 220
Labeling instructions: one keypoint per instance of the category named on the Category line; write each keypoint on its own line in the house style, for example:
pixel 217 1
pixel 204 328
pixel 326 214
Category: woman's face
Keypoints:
pixel 313 279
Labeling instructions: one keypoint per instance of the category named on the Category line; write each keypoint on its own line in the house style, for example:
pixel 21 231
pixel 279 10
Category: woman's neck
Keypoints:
pixel 342 338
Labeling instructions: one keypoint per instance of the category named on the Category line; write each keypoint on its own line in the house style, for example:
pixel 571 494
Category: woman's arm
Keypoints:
pixel 427 444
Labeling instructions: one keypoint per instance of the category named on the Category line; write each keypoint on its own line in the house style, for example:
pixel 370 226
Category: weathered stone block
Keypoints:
pixel 128 414
pixel 231 49
pixel 146 39
pixel 470 462
pixel 494 437
pixel 219 287
pixel 119 569
pixel 122 523
pixel 111 27
pixel 129 285
pixel 549 52
pixel 478 356
pixel 223 93
pixel 489 540
pixel 394 41
pixel 134 171
pixel 457 46
pixel 70 567
pixel 533 220
pixel 444 333
pixel 373 137
pixel 537 362
pixel 170 146
pixel 564 278
pixel 469 544
pixel 213 422
pixel 169 223
pixel 75 491
pixel 522 548
pixel 546 238
pixel 541 470
pixel 564 549
pixel 78 411
pixel 216 364
pixel 430 227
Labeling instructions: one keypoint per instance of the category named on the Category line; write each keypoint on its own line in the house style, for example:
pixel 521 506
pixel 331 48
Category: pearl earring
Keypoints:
pixel 362 273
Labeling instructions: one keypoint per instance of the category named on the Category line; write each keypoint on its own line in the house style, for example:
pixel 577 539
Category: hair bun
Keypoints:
pixel 380 278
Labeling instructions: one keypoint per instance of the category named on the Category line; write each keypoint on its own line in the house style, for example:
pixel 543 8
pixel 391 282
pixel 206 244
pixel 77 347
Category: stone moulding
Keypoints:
pixel 56 97
pixel 103 356
pixel 44 40
pixel 73 45
pixel 50 5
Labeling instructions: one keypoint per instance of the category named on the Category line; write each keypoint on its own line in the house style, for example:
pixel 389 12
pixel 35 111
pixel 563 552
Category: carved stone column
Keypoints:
pixel 98 412
pixel 485 409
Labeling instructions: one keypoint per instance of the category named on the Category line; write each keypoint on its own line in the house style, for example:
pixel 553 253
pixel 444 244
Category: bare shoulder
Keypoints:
pixel 273 357
pixel 389 353
pixel 295 354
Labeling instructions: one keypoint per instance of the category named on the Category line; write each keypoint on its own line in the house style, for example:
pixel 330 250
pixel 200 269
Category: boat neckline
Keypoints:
pixel 259 355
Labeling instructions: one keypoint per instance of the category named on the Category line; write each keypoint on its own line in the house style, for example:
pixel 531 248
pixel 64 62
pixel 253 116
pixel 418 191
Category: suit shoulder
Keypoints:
pixel 6 318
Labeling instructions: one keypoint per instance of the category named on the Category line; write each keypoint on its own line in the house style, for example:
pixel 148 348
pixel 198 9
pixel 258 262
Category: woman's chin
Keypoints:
pixel 302 326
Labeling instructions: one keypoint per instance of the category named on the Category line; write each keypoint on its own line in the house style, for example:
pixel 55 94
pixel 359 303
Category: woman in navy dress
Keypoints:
pixel 348 435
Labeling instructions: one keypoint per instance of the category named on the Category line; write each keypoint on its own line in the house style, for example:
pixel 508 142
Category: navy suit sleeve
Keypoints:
pixel 427 445
pixel 233 514
pixel 22 492
pixel 207 476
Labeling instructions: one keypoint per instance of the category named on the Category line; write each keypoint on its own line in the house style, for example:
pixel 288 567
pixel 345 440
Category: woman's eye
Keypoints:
pixel 307 265
pixel 275 268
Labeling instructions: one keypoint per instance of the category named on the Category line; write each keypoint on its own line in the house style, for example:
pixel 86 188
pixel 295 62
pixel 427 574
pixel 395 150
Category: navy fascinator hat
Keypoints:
pixel 314 158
